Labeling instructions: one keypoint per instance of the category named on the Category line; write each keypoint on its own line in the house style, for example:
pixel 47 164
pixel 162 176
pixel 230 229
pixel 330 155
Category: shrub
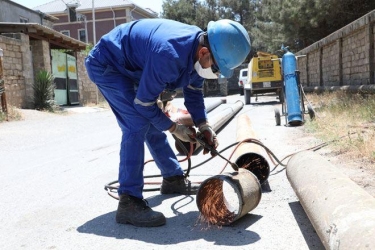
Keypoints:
pixel 44 91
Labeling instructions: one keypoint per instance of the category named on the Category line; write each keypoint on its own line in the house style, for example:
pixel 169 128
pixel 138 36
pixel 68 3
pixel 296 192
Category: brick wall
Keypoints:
pixel 346 57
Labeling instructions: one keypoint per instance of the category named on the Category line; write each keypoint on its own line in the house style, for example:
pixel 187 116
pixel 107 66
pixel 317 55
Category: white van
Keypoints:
pixel 242 79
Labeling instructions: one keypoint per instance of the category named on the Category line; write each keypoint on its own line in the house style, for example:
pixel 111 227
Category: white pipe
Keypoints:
pixel 114 17
pixel 94 42
pixel 87 36
pixel 131 12
pixel 93 23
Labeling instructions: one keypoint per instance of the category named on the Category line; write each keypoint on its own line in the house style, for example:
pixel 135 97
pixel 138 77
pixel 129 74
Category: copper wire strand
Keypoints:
pixel 112 186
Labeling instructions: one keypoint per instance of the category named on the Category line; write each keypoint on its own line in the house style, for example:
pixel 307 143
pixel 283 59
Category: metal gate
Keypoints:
pixel 64 70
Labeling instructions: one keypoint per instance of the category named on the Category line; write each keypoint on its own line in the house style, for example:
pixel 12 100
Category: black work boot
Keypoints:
pixel 178 185
pixel 136 211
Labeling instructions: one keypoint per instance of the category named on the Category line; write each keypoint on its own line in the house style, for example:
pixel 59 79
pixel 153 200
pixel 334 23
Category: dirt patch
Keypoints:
pixel 32 114
pixel 361 171
pixel 358 170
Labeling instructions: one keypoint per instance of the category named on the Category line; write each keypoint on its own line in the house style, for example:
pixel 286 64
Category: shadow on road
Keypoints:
pixel 307 229
pixel 182 227
pixel 268 103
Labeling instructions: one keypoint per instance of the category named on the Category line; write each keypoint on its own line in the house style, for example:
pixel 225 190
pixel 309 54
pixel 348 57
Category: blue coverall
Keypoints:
pixel 132 65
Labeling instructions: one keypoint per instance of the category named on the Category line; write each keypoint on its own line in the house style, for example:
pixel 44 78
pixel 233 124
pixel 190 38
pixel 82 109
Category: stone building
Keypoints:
pixel 26 38
pixel 27 49
pixel 34 40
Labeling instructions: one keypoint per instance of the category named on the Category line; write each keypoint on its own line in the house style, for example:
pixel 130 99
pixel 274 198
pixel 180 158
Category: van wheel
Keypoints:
pixel 281 95
pixel 205 90
pixel 223 89
pixel 247 95
pixel 277 116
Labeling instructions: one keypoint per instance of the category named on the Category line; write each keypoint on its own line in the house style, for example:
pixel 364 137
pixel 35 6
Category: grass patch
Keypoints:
pixel 346 119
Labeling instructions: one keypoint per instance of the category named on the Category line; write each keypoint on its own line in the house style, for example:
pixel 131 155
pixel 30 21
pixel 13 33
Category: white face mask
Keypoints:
pixel 204 73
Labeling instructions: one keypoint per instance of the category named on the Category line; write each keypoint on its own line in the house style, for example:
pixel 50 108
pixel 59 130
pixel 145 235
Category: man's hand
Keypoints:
pixel 209 136
pixel 183 133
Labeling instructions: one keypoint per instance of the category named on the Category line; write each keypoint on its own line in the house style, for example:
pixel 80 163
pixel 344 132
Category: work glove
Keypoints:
pixel 209 137
pixel 183 133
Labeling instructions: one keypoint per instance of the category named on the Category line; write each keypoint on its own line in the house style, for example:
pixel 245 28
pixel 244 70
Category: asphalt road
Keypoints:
pixel 53 170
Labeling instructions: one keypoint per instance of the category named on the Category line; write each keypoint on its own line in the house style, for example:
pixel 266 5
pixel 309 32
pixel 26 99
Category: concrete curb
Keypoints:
pixel 342 213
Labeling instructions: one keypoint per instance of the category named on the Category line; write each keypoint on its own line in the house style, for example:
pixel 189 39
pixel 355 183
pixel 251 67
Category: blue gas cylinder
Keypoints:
pixel 293 107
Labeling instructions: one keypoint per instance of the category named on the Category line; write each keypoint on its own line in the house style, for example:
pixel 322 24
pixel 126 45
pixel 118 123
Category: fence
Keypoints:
pixel 344 58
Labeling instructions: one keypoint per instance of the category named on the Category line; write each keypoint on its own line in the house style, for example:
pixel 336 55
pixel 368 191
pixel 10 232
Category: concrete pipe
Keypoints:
pixel 216 122
pixel 223 199
pixel 249 155
pixel 342 213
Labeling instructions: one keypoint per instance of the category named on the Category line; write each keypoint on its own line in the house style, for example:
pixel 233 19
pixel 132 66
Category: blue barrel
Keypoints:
pixel 293 106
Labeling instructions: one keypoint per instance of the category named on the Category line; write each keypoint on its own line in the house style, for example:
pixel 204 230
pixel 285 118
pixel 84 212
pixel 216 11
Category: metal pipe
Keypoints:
pixel 216 122
pixel 342 213
pixel 366 89
pixel 183 117
pixel 223 199
pixel 249 155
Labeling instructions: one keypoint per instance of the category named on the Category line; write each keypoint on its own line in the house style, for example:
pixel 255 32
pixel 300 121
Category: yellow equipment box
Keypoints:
pixel 264 76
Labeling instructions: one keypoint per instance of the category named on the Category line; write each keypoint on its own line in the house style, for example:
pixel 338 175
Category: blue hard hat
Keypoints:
pixel 229 43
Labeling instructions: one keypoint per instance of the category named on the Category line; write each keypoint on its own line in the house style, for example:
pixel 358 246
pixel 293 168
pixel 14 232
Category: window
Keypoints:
pixel 24 19
pixel 65 32
pixel 72 15
pixel 82 35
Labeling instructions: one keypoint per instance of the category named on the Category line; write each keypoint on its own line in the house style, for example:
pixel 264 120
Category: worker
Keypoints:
pixel 131 66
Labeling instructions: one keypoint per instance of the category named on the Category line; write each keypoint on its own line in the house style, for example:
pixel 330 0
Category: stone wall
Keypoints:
pixel 346 57
pixel 40 60
pixel 16 72
pixel 89 93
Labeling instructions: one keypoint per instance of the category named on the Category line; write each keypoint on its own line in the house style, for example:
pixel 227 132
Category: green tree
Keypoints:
pixel 271 23
pixel 242 11
pixel 186 11
pixel 303 22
